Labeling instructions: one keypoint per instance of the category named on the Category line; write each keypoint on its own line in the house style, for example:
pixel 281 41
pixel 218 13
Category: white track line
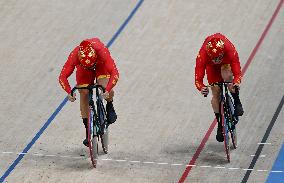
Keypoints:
pixel 107 159
pixel 177 164
pixel 261 156
pixel 262 170
pixel 205 166
pixel 275 171
pixel 162 163
pixel 191 165
pixel 50 155
pixel 21 153
pixel 135 161
pixel 146 162
pixel 247 169
pixel 65 156
pixel 36 154
pixel 121 160
pixel 233 168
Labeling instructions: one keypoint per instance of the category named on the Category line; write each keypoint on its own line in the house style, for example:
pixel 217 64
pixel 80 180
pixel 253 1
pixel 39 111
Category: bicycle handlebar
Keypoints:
pixel 89 87
pixel 220 84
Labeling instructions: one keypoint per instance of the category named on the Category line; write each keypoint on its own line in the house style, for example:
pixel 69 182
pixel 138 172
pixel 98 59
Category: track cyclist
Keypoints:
pixel 219 58
pixel 92 61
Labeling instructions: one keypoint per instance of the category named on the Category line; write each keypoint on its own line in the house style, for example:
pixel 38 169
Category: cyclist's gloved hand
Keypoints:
pixel 71 98
pixel 105 95
pixel 204 91
pixel 236 85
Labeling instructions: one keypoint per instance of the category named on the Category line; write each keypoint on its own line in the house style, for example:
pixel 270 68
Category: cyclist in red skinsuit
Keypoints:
pixel 92 61
pixel 219 58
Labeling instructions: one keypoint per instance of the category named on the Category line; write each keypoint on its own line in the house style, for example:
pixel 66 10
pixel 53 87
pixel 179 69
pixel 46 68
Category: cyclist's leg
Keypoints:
pixel 216 91
pixel 227 75
pixel 84 78
pixel 111 114
pixel 213 76
pixel 84 102
pixel 215 98
pixel 84 108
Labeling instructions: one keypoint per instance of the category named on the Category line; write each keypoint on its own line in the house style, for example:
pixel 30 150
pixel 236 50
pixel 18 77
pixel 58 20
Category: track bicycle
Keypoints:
pixel 228 118
pixel 97 122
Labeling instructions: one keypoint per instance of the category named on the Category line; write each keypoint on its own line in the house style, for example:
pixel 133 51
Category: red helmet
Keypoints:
pixel 215 50
pixel 87 55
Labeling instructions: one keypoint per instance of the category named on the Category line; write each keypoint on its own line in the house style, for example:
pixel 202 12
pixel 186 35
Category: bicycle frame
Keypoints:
pixel 227 99
pixel 228 118
pixel 228 105
pixel 97 124
pixel 98 111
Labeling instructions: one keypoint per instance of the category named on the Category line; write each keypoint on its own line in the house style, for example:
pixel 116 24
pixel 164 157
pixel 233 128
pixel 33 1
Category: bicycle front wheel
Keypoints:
pixel 226 135
pixel 92 139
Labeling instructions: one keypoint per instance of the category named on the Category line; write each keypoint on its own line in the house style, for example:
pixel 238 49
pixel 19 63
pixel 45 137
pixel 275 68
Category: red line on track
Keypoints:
pixel 209 131
pixel 262 37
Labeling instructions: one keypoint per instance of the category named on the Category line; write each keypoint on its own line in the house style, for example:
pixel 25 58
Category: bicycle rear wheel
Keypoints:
pixel 92 139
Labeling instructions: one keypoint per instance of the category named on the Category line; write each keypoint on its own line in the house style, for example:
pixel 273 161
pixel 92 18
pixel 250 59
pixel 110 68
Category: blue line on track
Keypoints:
pixel 124 24
pixel 50 119
pixel 46 124
pixel 278 166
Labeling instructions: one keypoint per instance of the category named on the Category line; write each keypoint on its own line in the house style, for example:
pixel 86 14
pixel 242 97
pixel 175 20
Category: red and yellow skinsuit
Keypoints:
pixel 105 68
pixel 213 71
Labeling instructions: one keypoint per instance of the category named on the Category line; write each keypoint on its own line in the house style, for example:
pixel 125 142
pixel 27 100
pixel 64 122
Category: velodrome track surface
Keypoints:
pixel 162 117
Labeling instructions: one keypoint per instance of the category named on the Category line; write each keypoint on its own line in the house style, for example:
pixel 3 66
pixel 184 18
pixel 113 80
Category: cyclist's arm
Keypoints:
pixel 112 70
pixel 235 63
pixel 109 64
pixel 67 70
pixel 200 69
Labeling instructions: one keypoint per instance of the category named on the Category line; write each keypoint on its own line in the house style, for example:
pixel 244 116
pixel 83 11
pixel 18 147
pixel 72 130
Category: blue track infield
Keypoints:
pixel 277 173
